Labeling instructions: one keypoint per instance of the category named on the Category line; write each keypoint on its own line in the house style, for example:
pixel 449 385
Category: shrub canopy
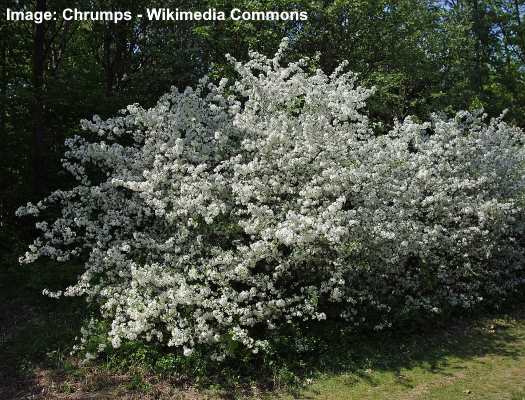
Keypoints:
pixel 227 211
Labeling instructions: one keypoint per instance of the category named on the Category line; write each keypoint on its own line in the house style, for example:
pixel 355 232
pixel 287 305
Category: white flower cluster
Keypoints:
pixel 224 212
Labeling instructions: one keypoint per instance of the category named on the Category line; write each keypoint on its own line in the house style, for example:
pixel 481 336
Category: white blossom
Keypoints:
pixel 226 211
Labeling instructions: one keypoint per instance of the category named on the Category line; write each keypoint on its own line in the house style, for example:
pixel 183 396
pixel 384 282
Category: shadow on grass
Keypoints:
pixel 429 349
pixel 353 358
pixel 35 330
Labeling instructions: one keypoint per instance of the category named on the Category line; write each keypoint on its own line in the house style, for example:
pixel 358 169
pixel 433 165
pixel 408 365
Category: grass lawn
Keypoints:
pixel 484 359
pixel 473 358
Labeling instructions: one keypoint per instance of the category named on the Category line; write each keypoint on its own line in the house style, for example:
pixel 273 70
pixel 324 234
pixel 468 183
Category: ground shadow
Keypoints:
pixel 35 330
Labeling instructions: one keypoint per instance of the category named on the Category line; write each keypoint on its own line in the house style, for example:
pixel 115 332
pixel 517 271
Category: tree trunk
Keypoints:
pixel 3 87
pixel 107 60
pixel 39 165
pixel 477 46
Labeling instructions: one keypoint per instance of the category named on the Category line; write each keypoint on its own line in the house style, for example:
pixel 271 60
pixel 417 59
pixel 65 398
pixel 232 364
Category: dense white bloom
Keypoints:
pixel 225 211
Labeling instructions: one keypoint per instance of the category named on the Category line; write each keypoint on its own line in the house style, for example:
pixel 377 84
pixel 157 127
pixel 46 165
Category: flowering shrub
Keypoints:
pixel 230 210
